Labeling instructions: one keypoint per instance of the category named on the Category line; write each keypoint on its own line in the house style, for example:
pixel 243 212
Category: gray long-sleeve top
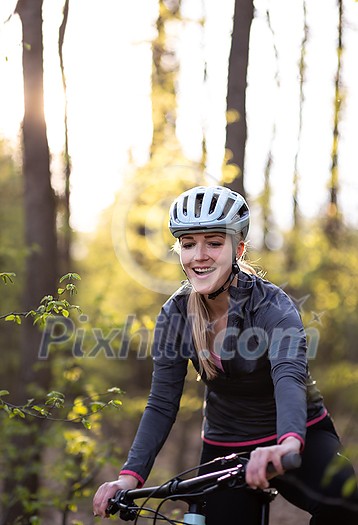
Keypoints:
pixel 263 391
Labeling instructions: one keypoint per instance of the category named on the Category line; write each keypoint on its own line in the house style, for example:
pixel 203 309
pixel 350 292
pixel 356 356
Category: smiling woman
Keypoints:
pixel 245 338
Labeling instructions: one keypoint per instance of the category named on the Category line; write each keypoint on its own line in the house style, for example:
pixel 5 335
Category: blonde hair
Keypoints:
pixel 199 317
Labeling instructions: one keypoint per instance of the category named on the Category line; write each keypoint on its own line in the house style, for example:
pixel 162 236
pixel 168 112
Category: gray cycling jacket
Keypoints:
pixel 264 390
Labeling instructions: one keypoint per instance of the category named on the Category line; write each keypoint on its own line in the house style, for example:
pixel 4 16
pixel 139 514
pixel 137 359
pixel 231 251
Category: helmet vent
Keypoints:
pixel 185 206
pixel 198 204
pixel 244 209
pixel 175 212
pixel 213 203
pixel 228 205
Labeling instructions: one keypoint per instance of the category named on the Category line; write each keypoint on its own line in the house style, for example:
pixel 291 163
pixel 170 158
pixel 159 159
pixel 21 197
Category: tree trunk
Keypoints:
pixel 294 241
pixel 40 238
pixel 236 129
pixel 333 224
pixel 39 198
pixel 66 234
pixel 163 77
pixel 302 74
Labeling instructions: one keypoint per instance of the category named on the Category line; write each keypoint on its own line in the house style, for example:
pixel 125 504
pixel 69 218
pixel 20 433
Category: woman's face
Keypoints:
pixel 206 259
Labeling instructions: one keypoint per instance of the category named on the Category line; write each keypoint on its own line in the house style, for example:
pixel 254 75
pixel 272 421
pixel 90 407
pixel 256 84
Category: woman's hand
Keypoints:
pixel 256 470
pixel 108 490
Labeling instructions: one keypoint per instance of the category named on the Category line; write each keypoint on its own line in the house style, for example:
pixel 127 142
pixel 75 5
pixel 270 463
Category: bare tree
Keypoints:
pixel 293 242
pixel 302 76
pixel 39 198
pixel 266 194
pixel 41 243
pixel 65 238
pixel 333 216
pixel 164 70
pixel 236 129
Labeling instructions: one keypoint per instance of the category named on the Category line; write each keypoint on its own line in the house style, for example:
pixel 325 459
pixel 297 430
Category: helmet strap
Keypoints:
pixel 235 269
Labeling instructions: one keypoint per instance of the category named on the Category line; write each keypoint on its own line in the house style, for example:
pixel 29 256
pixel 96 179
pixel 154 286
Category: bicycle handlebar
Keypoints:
pixel 177 488
pixel 290 461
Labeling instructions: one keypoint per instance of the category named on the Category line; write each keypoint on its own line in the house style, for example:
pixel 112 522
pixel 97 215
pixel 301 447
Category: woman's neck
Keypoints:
pixel 218 307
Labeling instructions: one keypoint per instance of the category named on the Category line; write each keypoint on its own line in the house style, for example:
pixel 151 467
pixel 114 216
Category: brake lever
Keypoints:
pixel 127 509
pixel 235 478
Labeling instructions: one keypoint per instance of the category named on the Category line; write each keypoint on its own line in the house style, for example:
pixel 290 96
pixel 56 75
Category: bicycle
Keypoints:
pixel 194 490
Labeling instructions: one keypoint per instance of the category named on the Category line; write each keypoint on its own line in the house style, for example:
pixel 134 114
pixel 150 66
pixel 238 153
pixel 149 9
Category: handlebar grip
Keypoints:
pixel 290 461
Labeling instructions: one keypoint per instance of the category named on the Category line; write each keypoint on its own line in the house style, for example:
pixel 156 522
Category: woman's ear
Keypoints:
pixel 240 250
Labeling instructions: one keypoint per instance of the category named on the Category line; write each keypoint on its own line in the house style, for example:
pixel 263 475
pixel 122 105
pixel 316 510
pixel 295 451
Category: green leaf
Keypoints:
pixel 4 393
pixel 8 410
pixel 65 313
pixel 75 307
pixel 43 411
pixel 71 288
pixel 55 399
pixel 60 291
pixel 69 276
pixel 13 317
pixel 18 412
pixel 41 319
pixel 97 405
pixel 40 309
pixel 86 423
pixel 115 402
pixel 7 277
pixel 55 393
pixel 46 299
pixel 349 487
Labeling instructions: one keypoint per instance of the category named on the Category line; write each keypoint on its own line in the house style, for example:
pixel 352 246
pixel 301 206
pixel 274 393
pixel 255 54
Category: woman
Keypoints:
pixel 245 338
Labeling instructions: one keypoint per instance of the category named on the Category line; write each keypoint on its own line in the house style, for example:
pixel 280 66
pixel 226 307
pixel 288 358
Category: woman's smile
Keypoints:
pixel 203 271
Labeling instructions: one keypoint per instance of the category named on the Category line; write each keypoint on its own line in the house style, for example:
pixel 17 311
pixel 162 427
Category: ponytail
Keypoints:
pixel 198 316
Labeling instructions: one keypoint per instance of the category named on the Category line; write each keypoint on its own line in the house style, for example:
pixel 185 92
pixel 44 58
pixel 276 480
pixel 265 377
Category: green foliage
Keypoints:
pixel 77 463
pixel 75 454
pixel 7 277
pixel 49 305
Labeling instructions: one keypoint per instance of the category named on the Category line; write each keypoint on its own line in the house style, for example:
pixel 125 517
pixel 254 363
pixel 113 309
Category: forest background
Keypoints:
pixel 257 96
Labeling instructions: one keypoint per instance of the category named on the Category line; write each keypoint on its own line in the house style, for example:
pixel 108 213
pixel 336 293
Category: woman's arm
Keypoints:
pixel 287 355
pixel 170 367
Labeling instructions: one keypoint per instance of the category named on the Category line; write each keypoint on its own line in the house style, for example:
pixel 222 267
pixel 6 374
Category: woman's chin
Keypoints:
pixel 204 288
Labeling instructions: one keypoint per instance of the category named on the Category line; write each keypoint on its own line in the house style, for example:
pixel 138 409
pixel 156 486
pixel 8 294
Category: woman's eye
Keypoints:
pixel 215 244
pixel 187 245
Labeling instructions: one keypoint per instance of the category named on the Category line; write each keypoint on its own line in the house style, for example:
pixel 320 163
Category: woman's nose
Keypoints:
pixel 200 253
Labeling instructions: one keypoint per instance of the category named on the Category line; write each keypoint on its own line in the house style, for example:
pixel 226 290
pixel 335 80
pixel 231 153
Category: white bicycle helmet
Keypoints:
pixel 209 208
